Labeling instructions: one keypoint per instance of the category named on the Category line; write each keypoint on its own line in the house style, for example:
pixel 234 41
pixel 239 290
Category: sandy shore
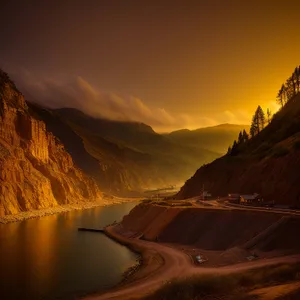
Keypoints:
pixel 63 209
pixel 173 263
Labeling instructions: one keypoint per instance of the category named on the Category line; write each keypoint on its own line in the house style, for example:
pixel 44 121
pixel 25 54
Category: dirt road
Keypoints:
pixel 176 265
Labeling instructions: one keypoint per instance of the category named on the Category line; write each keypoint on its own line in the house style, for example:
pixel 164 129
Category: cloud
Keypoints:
pixel 79 93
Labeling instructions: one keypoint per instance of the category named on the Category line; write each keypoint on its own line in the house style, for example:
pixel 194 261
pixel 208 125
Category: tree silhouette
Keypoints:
pixel 281 96
pixel 245 136
pixel 258 122
pixel 290 89
pixel 240 138
pixel 297 79
pixel 234 149
pixel 269 116
pixel 229 150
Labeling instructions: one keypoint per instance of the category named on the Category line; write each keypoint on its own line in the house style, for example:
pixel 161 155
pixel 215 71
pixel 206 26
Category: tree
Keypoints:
pixel 280 96
pixel 234 149
pixel 269 116
pixel 252 129
pixel 290 88
pixel 258 122
pixel 261 118
pixel 240 138
pixel 297 79
pixel 245 136
pixel 229 150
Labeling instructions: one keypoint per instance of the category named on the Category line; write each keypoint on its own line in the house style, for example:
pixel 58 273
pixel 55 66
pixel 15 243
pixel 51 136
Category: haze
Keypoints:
pixel 169 64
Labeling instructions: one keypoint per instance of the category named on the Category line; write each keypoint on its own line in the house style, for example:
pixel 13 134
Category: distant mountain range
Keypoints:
pixel 214 138
pixel 126 157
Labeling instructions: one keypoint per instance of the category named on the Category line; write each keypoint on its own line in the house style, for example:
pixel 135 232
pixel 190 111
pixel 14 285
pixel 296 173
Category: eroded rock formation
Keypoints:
pixel 35 170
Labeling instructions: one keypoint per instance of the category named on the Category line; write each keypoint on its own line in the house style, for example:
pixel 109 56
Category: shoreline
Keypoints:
pixel 174 265
pixel 39 213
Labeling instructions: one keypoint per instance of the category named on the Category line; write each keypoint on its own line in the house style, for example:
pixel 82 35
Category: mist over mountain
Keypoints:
pixel 124 157
pixel 213 138
pixel 59 91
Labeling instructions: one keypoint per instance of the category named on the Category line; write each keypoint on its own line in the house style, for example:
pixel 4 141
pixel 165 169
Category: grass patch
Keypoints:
pixel 234 285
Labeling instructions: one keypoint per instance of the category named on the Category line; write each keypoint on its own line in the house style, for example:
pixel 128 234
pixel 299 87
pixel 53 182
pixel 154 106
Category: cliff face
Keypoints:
pixel 35 170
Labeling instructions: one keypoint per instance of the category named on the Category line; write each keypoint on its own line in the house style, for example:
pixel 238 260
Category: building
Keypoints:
pixel 250 198
pixel 205 195
pixel 234 198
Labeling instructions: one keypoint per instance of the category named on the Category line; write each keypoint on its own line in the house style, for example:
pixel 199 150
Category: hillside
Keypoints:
pixel 123 157
pixel 267 164
pixel 35 170
pixel 215 138
pixel 214 230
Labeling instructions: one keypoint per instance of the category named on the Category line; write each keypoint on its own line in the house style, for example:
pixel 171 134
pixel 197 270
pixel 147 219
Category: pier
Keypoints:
pixel 90 229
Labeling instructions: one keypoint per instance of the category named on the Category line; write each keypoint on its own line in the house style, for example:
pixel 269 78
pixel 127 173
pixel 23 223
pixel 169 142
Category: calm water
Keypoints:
pixel 48 258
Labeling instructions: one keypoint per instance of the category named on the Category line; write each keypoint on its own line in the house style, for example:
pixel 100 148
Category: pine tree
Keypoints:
pixel 234 149
pixel 297 78
pixel 280 96
pixel 258 122
pixel 245 136
pixel 252 130
pixel 261 118
pixel 269 116
pixel 240 138
pixel 229 150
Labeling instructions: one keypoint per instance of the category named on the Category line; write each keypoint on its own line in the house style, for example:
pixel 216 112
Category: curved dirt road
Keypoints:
pixel 176 264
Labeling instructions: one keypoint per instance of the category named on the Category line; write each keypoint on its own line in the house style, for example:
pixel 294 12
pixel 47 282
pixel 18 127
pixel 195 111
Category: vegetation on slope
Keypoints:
pixel 236 286
pixel 267 162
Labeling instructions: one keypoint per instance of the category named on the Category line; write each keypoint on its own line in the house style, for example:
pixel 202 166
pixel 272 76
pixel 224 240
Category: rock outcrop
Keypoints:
pixel 35 170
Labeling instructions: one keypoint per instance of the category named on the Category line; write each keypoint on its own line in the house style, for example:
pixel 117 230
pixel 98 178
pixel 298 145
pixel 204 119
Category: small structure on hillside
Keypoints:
pixel 234 197
pixel 250 198
pixel 205 195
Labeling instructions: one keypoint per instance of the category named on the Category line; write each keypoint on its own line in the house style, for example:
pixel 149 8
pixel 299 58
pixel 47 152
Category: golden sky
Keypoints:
pixel 171 64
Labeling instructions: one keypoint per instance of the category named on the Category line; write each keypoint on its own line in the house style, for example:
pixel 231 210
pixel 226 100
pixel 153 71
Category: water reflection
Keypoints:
pixel 48 258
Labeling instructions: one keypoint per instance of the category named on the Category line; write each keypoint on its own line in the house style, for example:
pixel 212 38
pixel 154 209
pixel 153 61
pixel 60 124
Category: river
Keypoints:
pixel 48 258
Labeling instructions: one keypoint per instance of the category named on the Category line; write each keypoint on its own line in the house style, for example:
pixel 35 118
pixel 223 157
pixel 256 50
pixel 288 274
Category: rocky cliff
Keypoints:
pixel 35 170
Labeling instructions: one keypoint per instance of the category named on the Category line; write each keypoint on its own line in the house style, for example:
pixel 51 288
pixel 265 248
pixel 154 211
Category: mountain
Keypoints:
pixel 267 164
pixel 123 157
pixel 215 138
pixel 35 170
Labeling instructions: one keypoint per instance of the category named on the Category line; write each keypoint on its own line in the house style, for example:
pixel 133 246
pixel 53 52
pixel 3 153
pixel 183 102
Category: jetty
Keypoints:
pixel 90 229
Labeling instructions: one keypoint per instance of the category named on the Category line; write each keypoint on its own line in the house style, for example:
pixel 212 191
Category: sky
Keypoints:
pixel 170 64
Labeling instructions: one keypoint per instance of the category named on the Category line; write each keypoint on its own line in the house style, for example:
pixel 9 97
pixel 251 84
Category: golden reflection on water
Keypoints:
pixel 41 243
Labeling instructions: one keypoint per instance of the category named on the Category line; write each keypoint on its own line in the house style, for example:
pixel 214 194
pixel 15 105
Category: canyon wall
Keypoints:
pixel 35 170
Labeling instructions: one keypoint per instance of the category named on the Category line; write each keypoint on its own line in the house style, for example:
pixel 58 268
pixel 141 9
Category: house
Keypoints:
pixel 205 195
pixel 250 198
pixel 234 198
